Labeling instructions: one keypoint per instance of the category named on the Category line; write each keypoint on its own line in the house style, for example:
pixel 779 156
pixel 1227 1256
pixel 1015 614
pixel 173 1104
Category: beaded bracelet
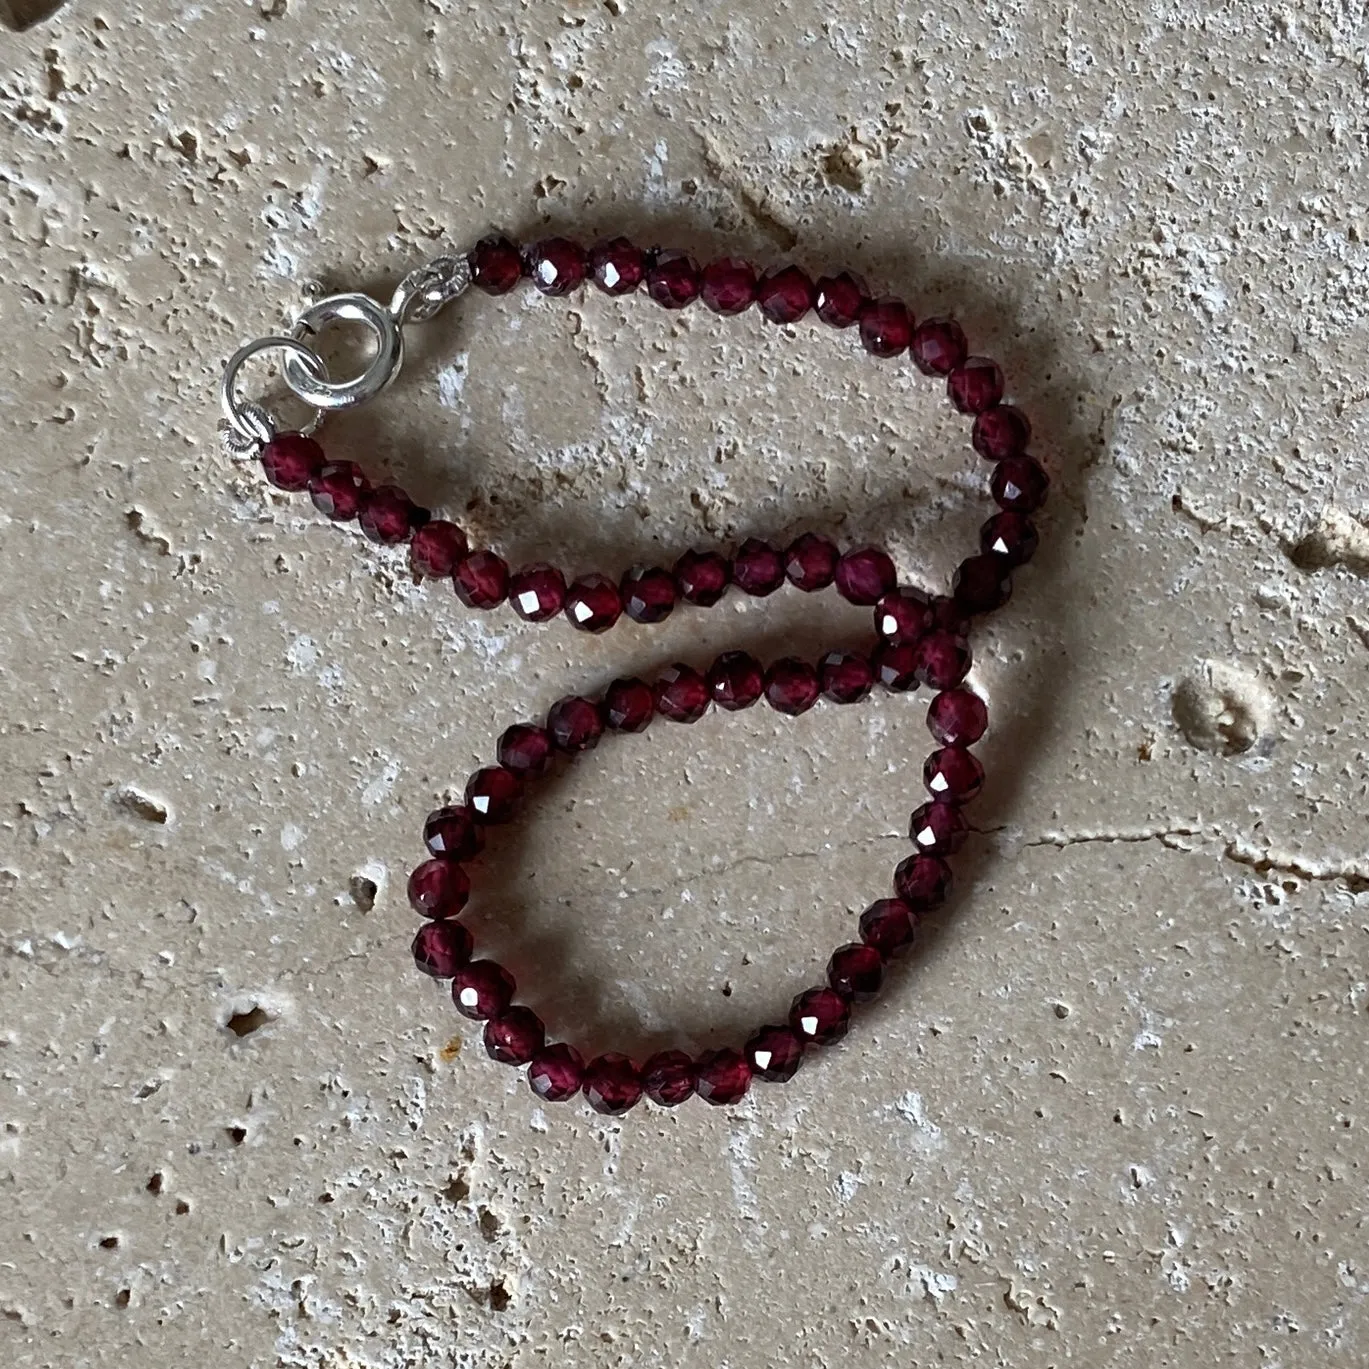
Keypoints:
pixel 919 639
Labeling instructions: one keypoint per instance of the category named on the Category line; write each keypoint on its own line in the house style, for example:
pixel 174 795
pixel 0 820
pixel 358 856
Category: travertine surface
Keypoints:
pixel 1114 1115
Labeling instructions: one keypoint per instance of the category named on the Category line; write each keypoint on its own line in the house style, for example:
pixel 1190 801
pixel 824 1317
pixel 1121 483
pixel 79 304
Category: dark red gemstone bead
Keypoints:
pixel 617 265
pixel 722 1076
pixel 593 603
pixel 922 882
pixel 819 1016
pixel 957 717
pixel 865 576
pixel 856 971
pixel 629 705
pixel 388 515
pixel 757 568
pixel 439 888
pixel 436 548
pixel 937 829
pixel 785 294
pixel 895 666
pixel 943 659
pixel 556 1073
pixel 846 676
pixel 492 794
pixel 681 694
pixel 1019 485
pixel 948 615
pixel 575 724
pixel 556 265
pixel 452 832
pixel 811 562
pixel 975 385
pixel 668 1078
pixel 791 686
pixel 441 948
pixel 774 1054
pixel 938 346
pixel 903 615
pixel 648 594
pixel 735 680
pixel 537 592
pixel 481 580
pixel 702 577
pixel 1001 433
pixel 291 461
pixel 672 278
pixel 886 326
pixel 953 774
pixel 482 989
pixel 839 299
pixel 889 925
pixel 515 1036
pixel 983 583
pixel 729 285
pixel 525 749
pixel 338 490
pixel 1012 536
pixel 496 265
pixel 612 1084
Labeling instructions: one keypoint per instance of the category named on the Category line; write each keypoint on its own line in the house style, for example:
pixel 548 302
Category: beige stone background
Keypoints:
pixel 1114 1115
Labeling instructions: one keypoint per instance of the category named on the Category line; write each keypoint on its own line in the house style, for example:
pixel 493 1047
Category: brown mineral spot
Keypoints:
pixel 451 1050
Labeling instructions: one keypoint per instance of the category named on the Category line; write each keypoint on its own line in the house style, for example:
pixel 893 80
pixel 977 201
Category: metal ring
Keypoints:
pixel 323 393
pixel 247 419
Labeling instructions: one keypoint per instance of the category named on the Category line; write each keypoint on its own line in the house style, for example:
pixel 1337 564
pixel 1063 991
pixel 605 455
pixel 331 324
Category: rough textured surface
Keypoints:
pixel 1114 1115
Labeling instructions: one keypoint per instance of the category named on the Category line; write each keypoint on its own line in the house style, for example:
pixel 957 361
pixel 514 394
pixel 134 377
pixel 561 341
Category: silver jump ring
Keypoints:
pixel 322 393
pixel 428 287
pixel 250 421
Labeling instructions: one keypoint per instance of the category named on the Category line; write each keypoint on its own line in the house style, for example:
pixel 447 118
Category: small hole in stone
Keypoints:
pixel 109 1243
pixel 148 1089
pixel 122 1297
pixel 500 1297
pixel 154 1184
pixel 237 1135
pixel 458 1190
pixel 245 1023
pixel 182 1207
pixel 325 1197
pixel 363 891
pixel 142 805
pixel 1061 1010
pixel 490 1225
pixel 727 990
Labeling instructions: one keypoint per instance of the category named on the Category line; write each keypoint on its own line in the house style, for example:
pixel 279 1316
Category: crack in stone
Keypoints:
pixel 1167 836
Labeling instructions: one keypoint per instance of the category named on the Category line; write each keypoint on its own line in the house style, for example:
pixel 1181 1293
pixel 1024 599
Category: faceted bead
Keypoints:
pixel 886 327
pixel 896 666
pixel 439 888
pixel 810 562
pixel 575 724
pixel 722 1076
pixel 388 515
pixel 953 774
pixel 982 583
pixel 1012 536
pixel 593 603
pixel 452 832
pixel 496 265
pixel 865 576
pixel 785 294
pixel 617 266
pixel 435 549
pixel 668 1078
pixel 338 490
pixel 791 686
pixel 648 594
pixel 514 1036
pixel 556 1073
pixel 1001 432
pixel 975 385
pixel 839 299
pixel 525 749
pixel 856 971
pixel 757 568
pixel 729 285
pixel 846 676
pixel 819 1016
pixel 703 577
pixel 482 989
pixel 537 592
pixel 735 680
pixel 922 882
pixel 937 829
pixel 1019 485
pixel 441 948
pixel 938 346
pixel 672 278
pixel 943 659
pixel 492 794
pixel 612 1084
pixel 903 615
pixel 774 1054
pixel 681 694
pixel 957 717
pixel 557 265
pixel 629 705
pixel 481 580
pixel 291 461
pixel 889 925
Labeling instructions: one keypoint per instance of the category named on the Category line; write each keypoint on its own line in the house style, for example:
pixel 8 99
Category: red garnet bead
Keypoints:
pixel 896 666
pixel 903 615
pixel 514 1036
pixel 668 1078
pixel 757 568
pixel 810 562
pixel 338 490
pixel 922 882
pixel 681 694
pixel 791 686
pixel 722 1076
pixel 496 265
pixel 291 461
pixel 537 592
pixel 785 294
pixel 435 549
pixel 575 724
pixel 889 925
pixel 952 773
pixel 957 717
pixel 439 888
pixel 983 583
pixel 492 794
pixel 593 603
pixel 388 515
pixel 938 346
pixel 856 971
pixel 617 266
pixel 612 1084
pixel 557 265
pixel 937 829
pixel 839 299
pixel 672 278
pixel 865 576
pixel 886 327
pixel 943 659
pixel 774 1054
pixel 735 680
pixel 846 676
pixel 648 594
pixel 452 832
pixel 975 385
pixel 629 705
pixel 441 948
pixel 1001 432
pixel 729 285
pixel 481 580
pixel 556 1073
pixel 819 1016
pixel 1019 485
pixel 482 989
pixel 525 749
pixel 1010 535
pixel 702 577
